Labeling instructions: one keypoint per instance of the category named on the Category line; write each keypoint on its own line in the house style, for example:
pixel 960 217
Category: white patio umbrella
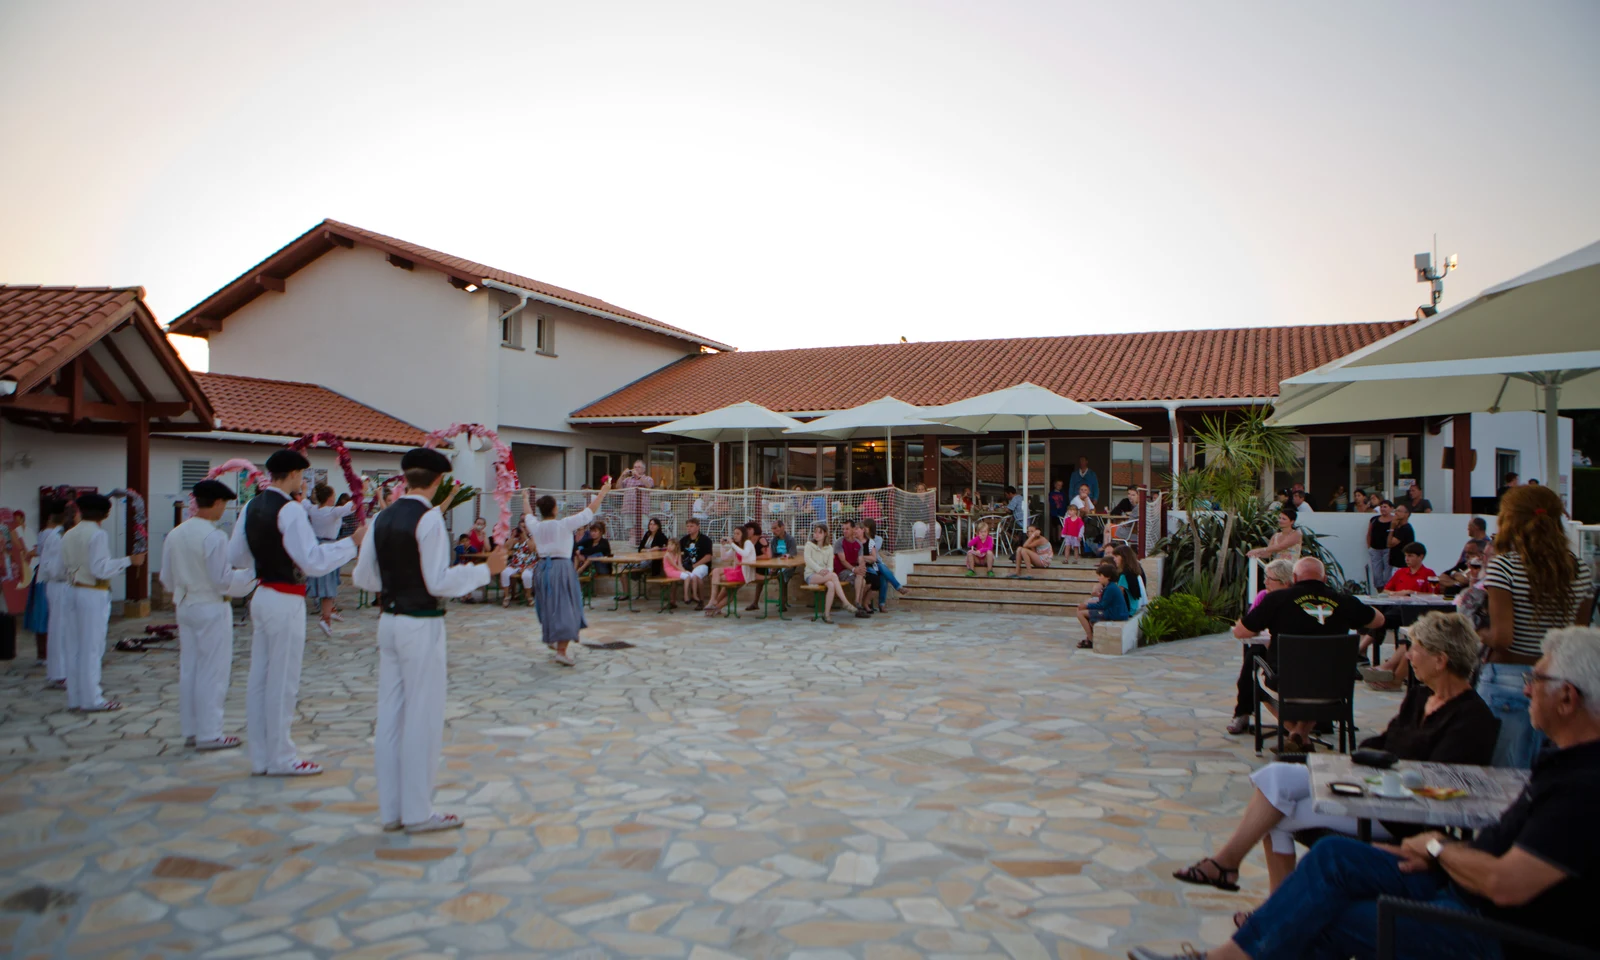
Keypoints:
pixel 1023 407
pixel 883 416
pixel 1532 343
pixel 740 421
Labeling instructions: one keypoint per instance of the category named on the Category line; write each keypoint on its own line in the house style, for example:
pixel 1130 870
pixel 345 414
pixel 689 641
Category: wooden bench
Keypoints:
pixel 817 592
pixel 666 584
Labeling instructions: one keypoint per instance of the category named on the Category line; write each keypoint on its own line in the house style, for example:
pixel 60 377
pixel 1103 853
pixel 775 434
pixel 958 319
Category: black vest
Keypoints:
pixel 266 540
pixel 394 537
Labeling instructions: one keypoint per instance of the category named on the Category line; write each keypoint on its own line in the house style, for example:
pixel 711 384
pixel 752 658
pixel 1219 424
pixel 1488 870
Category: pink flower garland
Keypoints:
pixel 357 486
pixel 139 538
pixel 253 475
pixel 505 468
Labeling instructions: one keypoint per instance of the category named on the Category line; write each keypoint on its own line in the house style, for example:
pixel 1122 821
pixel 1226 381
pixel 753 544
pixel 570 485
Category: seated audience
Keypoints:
pixel 1309 608
pixel 1443 721
pixel 820 571
pixel 880 567
pixel 1413 577
pixel 1035 551
pixel 696 549
pixel 672 569
pixel 479 535
pixel 519 559
pixel 594 544
pixel 1130 576
pixel 1466 570
pixel 1538 868
pixel 1279 575
pixel 1297 499
pixel 653 539
pixel 1109 603
pixel 980 550
pixel 737 552
pixel 463 547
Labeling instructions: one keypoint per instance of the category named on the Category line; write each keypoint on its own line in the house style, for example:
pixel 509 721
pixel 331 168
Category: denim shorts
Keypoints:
pixel 1500 686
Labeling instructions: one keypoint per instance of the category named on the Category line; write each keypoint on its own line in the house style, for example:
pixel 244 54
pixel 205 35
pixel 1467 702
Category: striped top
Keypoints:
pixel 1529 623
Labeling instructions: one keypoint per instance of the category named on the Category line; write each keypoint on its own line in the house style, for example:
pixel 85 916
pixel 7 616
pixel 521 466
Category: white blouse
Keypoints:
pixel 325 521
pixel 743 554
pixel 553 538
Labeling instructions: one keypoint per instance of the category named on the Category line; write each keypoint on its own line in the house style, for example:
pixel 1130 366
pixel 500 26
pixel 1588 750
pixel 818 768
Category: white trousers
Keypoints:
pixel 86 645
pixel 1287 786
pixel 205 661
pixel 58 593
pixel 410 732
pixel 276 647
pixel 527 579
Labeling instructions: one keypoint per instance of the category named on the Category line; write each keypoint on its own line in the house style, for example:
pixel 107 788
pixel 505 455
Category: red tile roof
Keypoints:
pixel 320 239
pixel 282 408
pixel 43 327
pixel 1177 365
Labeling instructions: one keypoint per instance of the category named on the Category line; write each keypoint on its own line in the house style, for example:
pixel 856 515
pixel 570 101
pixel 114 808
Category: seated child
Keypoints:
pixel 1034 552
pixel 672 569
pixel 1072 534
pixel 980 549
pixel 463 547
pixel 594 544
pixel 1111 604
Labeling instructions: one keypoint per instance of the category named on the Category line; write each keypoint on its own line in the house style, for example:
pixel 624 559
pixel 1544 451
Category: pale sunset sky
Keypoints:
pixel 779 175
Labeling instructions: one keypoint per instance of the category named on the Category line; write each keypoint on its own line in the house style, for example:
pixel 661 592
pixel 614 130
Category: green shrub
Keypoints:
pixel 1177 617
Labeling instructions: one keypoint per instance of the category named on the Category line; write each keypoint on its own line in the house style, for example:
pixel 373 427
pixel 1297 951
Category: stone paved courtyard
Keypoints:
pixel 913 785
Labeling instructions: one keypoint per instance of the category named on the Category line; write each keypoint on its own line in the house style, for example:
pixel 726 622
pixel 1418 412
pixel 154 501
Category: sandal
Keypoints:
pixel 1085 644
pixel 827 620
pixel 1193 874
pixel 1240 917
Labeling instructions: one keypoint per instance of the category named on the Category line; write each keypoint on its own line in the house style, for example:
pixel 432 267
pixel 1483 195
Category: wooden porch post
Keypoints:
pixel 1461 476
pixel 138 592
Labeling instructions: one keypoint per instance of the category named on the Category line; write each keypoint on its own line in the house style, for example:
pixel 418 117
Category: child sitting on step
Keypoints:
pixel 1034 552
pixel 1109 603
pixel 980 549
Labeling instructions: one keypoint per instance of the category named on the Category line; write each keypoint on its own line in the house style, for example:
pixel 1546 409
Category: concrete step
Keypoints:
pixel 1010 595
pixel 943 571
pixel 919 602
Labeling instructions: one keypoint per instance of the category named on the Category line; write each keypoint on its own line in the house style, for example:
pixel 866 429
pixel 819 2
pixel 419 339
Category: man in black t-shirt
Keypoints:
pixel 1378 569
pixel 1308 608
pixel 1538 868
pixel 1401 535
pixel 696 555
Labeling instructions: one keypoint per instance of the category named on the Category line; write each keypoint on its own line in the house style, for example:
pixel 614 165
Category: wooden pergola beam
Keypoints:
pixel 121 360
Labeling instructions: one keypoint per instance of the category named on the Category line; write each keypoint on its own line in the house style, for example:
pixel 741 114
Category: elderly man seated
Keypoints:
pixel 1309 608
pixel 1538 868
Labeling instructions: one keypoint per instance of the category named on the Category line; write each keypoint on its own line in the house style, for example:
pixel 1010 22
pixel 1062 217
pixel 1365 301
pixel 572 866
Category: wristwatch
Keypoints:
pixel 1435 847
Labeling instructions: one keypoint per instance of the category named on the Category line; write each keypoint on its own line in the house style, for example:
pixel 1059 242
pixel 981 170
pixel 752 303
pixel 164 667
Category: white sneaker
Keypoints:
pixel 565 659
pixel 327 627
pixel 334 616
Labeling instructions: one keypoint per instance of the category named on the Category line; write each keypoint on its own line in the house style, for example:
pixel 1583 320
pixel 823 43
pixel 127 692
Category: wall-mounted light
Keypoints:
pixel 471 288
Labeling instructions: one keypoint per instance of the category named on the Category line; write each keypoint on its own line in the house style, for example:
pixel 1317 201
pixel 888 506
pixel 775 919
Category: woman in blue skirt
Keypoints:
pixel 326 520
pixel 560 598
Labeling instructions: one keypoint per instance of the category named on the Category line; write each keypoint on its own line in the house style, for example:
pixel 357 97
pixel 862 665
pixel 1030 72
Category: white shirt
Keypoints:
pixel 1304 507
pixel 743 553
pixel 1084 506
pixel 433 547
pixel 86 555
pixel 50 568
pixel 325 521
pixel 314 559
pixel 195 567
pixel 553 538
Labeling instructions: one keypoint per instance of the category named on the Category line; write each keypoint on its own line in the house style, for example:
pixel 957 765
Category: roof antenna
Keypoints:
pixel 1427 274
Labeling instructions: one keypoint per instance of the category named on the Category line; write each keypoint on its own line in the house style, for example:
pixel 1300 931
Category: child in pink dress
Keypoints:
pixel 1072 534
pixel 980 549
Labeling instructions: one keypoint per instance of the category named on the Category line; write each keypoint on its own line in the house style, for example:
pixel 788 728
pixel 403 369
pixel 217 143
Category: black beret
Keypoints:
pixel 94 502
pixel 286 461
pixel 210 491
pixel 422 458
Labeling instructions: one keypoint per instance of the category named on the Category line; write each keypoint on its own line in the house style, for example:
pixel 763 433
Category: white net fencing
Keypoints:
pixel 904 519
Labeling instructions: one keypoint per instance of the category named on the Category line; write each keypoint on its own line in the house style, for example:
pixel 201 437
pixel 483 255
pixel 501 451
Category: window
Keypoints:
pixel 1506 462
pixel 192 472
pixel 511 331
pixel 544 335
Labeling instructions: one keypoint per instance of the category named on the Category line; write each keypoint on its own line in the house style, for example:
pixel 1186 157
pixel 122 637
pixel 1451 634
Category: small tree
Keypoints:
pixel 1237 451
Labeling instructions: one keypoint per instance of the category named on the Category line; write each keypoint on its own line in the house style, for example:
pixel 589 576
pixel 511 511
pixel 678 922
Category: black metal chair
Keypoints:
pixel 1391 909
pixel 1313 681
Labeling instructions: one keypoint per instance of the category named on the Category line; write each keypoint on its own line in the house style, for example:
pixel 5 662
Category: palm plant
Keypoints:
pixel 1237 452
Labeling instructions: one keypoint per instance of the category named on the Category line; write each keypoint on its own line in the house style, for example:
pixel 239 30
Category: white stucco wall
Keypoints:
pixel 1520 431
pixel 402 341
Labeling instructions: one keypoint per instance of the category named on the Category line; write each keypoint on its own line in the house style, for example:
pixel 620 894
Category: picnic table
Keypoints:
pixel 622 580
pixel 777 565
pixel 1490 790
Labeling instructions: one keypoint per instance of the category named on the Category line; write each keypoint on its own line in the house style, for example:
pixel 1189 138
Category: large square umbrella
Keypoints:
pixel 881 416
pixel 1023 407
pixel 1531 343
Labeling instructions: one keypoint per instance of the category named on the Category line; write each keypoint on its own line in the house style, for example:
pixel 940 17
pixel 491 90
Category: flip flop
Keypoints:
pixel 301 768
pixel 222 743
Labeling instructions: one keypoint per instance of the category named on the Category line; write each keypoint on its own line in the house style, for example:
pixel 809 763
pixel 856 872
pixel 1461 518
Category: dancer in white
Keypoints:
pixel 277 546
pixel 86 556
pixel 57 595
pixel 407 561
pixel 326 520
pixel 196 572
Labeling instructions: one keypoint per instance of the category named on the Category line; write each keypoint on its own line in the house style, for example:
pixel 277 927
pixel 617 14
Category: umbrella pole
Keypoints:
pixel 888 452
pixel 1025 454
pixel 1552 433
pixel 716 466
pixel 747 475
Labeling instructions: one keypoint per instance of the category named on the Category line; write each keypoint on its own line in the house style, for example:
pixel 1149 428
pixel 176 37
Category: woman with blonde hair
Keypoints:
pixel 819 571
pixel 1535 584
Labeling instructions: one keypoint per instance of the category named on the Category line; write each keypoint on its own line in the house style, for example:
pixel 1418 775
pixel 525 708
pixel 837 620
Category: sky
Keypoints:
pixel 779 175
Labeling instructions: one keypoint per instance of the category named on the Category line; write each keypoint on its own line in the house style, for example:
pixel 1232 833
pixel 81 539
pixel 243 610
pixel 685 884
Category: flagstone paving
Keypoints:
pixel 911 785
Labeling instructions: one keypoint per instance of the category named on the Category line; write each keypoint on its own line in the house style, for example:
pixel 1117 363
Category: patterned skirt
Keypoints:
pixel 326 585
pixel 560 600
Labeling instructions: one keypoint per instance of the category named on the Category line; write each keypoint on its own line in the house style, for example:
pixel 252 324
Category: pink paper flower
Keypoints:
pixel 253 474
pixel 139 536
pixel 332 441
pixel 505 468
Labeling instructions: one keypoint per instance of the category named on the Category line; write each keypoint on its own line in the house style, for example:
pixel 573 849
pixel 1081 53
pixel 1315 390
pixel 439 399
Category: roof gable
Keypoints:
pixel 1097 368
pixel 272 274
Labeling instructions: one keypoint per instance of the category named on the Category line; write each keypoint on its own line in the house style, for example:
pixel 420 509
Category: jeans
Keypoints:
pixel 886 579
pixel 1244 703
pixel 1500 686
pixel 1328 909
pixel 1378 569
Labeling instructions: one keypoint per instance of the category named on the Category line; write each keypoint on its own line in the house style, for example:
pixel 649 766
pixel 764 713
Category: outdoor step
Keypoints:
pixel 920 603
pixel 1055 574
pixel 1000 583
pixel 1008 596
